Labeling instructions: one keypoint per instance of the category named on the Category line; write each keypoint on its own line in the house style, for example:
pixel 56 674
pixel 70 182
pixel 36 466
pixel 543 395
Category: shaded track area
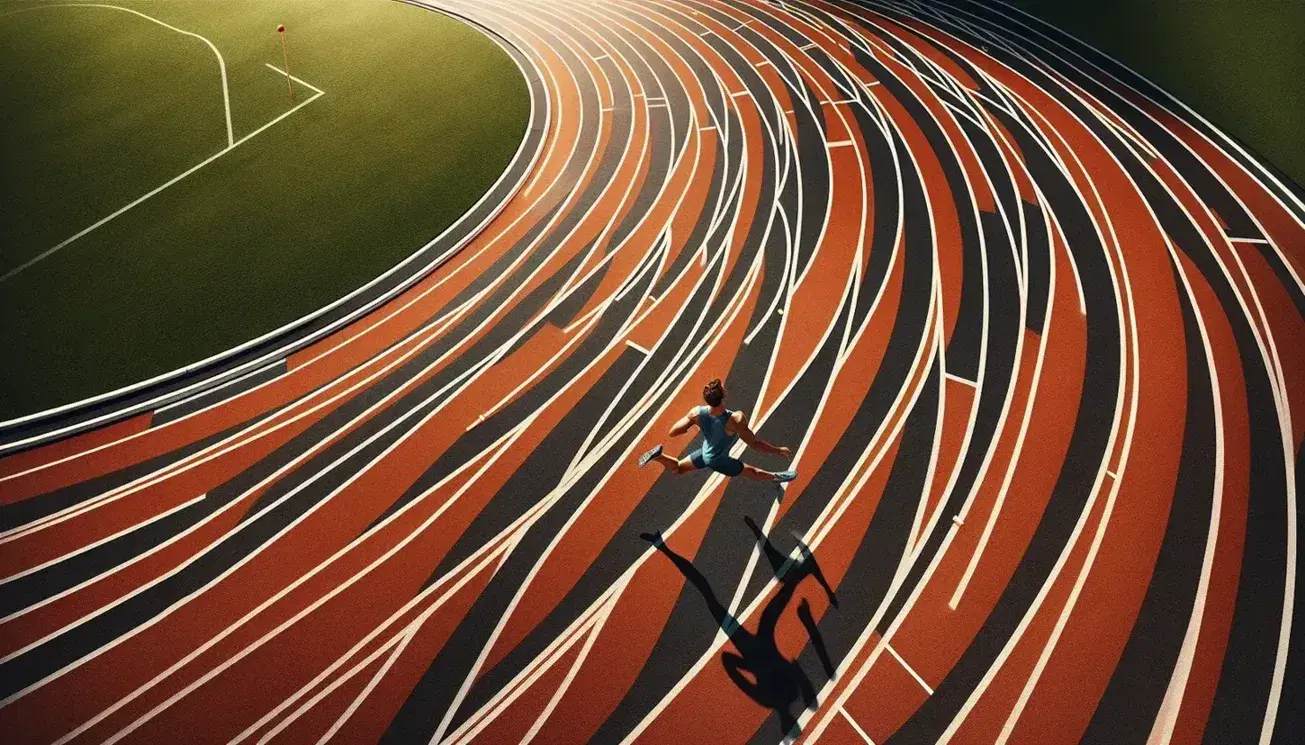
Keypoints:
pixel 1035 332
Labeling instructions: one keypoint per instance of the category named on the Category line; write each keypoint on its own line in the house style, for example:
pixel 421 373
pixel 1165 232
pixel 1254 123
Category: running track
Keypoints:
pixel 1036 332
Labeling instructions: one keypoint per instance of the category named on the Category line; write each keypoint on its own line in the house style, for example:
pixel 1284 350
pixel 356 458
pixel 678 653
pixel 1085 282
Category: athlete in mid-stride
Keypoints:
pixel 720 429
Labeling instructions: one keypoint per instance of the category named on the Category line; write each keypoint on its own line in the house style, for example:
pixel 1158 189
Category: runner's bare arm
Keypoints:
pixel 746 434
pixel 686 423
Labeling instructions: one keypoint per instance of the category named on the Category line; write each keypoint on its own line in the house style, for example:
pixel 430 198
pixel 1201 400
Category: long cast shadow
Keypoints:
pixel 776 682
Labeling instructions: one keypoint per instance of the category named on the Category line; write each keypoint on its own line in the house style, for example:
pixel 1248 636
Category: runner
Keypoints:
pixel 720 429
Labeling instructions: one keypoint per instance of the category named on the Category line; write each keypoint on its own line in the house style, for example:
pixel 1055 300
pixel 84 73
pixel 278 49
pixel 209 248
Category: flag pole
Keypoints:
pixel 285 55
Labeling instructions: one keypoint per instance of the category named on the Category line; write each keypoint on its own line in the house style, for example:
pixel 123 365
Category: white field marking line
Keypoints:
pixel 935 451
pixel 334 592
pixel 490 549
pixel 631 343
pixel 959 379
pixel 1016 254
pixel 1162 729
pixel 151 520
pixel 1249 240
pixel 1284 630
pixel 85 231
pixel 395 646
pixel 291 406
pixel 652 261
pixel 581 657
pixel 1009 163
pixel 1038 135
pixel 908 668
pixel 304 83
pixel 962 113
pixel 545 75
pixel 1099 536
pixel 781 290
pixel 838 143
pixel 574 474
pixel 765 123
pixel 527 380
pixel 872 458
pixel 848 718
pixel 222 65
pixel 713 483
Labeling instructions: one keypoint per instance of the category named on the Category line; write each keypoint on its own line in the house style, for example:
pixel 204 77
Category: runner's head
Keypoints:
pixel 714 392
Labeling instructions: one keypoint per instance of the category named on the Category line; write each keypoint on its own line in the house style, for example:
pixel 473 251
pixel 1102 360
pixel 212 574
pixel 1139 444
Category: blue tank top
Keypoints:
pixel 716 442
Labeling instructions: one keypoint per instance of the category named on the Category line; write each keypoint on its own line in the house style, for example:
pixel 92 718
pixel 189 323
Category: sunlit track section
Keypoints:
pixel 1034 330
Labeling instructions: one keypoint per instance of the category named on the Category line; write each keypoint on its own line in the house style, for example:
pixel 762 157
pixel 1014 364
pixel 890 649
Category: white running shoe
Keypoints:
pixel 643 459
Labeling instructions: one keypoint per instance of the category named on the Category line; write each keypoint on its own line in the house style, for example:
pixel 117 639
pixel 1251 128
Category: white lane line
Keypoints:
pixel 228 384
pixel 103 541
pixel 908 668
pixel 959 379
pixel 50 251
pixel 1249 240
pixel 855 726
pixel 839 143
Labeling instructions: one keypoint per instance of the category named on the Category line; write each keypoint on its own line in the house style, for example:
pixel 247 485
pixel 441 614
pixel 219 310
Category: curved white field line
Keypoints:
pixel 226 106
pixel 292 344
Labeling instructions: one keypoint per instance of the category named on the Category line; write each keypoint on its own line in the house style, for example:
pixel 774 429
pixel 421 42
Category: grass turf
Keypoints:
pixel 420 115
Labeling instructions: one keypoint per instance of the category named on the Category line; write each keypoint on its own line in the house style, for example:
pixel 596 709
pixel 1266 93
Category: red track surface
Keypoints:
pixel 1036 333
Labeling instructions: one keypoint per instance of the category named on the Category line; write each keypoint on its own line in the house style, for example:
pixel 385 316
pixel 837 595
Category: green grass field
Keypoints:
pixel 418 116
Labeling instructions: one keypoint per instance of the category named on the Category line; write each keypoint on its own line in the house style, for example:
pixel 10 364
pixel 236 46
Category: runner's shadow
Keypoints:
pixel 759 669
